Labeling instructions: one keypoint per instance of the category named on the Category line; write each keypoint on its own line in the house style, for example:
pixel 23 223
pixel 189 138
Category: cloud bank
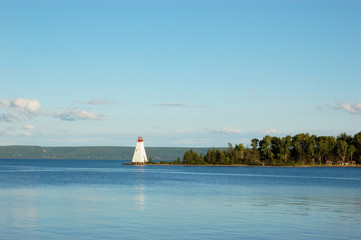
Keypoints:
pixel 8 117
pixel 270 131
pixel 22 105
pixel 17 109
pixel 351 108
pixel 73 115
pixel 29 127
pixel 27 106
pixel 228 130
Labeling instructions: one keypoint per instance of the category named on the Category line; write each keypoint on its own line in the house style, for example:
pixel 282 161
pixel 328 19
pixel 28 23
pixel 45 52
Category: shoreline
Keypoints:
pixel 196 165
pixel 243 165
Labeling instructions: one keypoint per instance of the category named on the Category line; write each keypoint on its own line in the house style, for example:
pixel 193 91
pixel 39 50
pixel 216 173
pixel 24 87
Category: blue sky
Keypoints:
pixel 179 73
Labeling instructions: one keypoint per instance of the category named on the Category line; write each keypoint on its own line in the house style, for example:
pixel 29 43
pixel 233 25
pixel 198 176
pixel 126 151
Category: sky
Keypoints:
pixel 181 73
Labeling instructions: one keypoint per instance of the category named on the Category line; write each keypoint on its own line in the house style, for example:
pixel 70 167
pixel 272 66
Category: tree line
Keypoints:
pixel 301 149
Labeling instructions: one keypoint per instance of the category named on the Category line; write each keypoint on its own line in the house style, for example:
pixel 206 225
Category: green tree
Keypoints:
pixel 239 154
pixel 311 148
pixel 220 157
pixel 351 151
pixel 357 138
pixel 300 142
pixel 191 157
pixel 211 156
pixel 230 154
pixel 357 142
pixel 322 149
pixel 254 144
pixel 285 150
pixel 177 161
pixel 265 149
pixel 330 150
pixel 276 146
pixel 345 137
pixel 341 149
pixel 251 157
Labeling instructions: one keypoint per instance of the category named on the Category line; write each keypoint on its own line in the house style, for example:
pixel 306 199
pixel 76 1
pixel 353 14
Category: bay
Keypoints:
pixel 97 199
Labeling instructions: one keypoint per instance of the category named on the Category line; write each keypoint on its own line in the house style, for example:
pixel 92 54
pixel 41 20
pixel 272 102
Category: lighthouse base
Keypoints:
pixel 135 163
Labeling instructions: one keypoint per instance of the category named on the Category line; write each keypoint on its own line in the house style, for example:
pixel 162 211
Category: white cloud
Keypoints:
pixel 29 127
pixel 358 105
pixel 72 115
pixel 27 106
pixel 351 108
pixel 228 130
pixel 26 133
pixel 15 132
pixel 271 130
pixel 8 117
pixel 347 107
pixel 4 103
pixel 18 108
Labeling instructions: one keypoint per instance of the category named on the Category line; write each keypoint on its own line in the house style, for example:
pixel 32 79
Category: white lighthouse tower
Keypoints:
pixel 139 157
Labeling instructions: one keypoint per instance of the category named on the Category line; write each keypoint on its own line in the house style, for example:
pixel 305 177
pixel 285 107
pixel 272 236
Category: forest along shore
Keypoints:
pixel 243 165
pixel 299 150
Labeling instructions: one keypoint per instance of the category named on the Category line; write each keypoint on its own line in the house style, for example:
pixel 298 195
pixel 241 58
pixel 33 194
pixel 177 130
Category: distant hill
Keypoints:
pixel 99 153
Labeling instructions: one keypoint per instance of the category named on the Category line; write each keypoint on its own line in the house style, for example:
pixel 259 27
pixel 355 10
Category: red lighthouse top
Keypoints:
pixel 140 139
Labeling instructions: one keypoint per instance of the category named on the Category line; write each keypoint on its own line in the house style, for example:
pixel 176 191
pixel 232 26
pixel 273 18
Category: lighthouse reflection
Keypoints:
pixel 139 197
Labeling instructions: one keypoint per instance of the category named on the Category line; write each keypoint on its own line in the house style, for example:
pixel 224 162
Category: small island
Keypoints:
pixel 299 150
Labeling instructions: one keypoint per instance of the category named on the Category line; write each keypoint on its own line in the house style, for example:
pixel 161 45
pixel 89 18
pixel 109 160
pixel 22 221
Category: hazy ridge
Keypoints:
pixel 95 152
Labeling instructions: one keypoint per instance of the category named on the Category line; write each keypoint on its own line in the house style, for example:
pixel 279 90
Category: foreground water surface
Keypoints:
pixel 75 199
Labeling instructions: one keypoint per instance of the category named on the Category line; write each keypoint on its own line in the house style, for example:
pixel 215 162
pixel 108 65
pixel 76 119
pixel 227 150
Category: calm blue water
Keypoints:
pixel 74 199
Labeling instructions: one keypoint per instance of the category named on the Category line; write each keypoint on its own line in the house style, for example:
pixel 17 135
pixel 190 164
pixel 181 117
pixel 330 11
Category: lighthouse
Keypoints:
pixel 139 157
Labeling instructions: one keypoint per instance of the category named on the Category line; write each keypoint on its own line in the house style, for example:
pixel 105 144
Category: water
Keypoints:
pixel 74 199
